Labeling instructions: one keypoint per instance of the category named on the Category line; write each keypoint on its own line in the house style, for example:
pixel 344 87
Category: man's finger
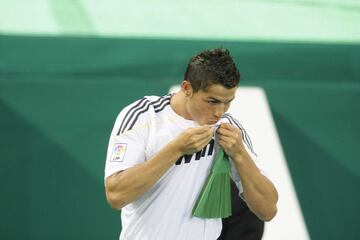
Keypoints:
pixel 205 135
pixel 199 130
pixel 227 126
pixel 205 141
pixel 226 131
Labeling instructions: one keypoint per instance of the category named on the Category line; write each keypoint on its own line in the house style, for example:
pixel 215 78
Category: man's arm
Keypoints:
pixel 259 192
pixel 126 186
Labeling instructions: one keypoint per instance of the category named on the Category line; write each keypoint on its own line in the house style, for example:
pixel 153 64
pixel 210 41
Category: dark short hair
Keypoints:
pixel 210 67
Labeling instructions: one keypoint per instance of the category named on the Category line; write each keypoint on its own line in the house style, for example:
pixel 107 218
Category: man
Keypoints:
pixel 161 150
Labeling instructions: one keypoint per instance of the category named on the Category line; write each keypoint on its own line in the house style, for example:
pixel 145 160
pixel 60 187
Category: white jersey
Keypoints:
pixel 165 211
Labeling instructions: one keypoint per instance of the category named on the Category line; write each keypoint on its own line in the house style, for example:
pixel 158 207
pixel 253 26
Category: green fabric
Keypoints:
pixel 214 200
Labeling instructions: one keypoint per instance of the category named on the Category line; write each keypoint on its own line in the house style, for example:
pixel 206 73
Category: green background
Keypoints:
pixel 59 97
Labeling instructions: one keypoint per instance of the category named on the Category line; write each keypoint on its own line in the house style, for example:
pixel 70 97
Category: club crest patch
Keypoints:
pixel 118 152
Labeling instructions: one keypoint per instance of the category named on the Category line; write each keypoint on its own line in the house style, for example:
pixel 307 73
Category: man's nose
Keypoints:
pixel 219 111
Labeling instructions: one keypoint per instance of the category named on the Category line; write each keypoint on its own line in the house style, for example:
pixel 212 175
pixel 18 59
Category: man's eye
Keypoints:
pixel 212 102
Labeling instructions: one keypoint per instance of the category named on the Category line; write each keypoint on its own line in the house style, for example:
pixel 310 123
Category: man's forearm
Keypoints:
pixel 126 186
pixel 260 194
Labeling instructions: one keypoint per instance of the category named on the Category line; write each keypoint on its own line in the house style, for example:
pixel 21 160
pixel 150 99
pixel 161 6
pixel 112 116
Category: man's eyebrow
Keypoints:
pixel 217 100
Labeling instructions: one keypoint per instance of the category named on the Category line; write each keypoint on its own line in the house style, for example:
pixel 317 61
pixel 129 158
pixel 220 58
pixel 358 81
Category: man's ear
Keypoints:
pixel 186 88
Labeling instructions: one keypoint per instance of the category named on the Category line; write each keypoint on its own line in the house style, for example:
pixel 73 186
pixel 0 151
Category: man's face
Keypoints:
pixel 207 106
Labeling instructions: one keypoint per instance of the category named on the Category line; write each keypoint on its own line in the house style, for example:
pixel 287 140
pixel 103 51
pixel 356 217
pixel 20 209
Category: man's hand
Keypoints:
pixel 194 139
pixel 230 139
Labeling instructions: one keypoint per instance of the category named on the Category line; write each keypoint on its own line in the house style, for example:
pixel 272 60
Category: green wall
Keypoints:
pixel 59 97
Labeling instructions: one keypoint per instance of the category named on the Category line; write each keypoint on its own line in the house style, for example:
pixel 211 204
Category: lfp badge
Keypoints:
pixel 118 152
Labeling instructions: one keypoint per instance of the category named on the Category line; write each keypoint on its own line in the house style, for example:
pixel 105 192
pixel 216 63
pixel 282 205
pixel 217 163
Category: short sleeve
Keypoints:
pixel 126 146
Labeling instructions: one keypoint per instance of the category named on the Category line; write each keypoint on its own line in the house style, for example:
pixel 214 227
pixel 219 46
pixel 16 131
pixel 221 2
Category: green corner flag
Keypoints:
pixel 215 198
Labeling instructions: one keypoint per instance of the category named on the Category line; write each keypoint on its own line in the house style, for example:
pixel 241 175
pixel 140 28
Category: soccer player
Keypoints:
pixel 161 149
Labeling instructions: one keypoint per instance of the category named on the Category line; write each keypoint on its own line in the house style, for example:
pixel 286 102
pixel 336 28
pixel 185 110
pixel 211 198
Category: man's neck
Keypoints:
pixel 178 104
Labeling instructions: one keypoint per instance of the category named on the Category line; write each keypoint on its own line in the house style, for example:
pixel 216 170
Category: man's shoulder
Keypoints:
pixel 141 110
pixel 149 101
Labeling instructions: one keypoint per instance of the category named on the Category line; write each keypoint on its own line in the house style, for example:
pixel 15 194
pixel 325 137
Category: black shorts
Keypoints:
pixel 242 224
